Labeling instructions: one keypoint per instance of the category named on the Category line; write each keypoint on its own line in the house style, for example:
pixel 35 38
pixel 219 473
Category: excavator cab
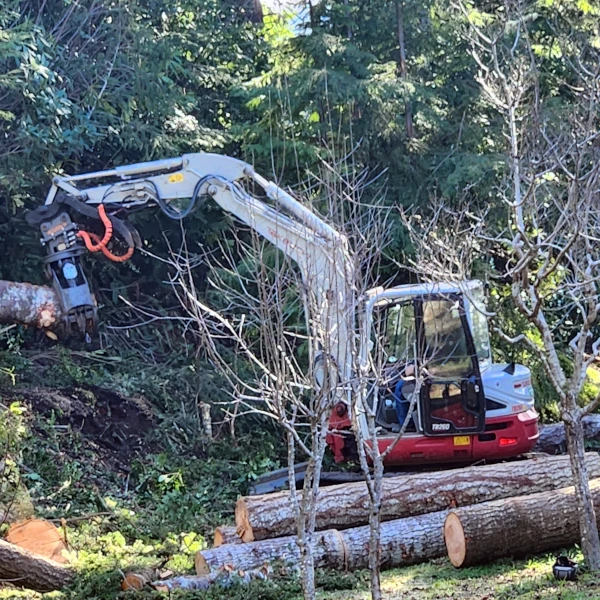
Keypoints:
pixel 431 371
pixel 429 337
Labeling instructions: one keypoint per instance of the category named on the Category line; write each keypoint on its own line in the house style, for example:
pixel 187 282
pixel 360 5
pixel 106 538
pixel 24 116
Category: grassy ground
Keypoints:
pixel 504 580
pixel 527 580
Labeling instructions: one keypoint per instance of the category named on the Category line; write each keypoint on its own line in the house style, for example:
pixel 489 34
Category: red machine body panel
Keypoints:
pixel 504 437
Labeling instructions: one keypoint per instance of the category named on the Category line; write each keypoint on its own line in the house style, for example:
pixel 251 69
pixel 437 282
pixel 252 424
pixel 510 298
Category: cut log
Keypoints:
pixel 183 582
pixel 344 506
pixel 403 542
pixel 138 580
pixel 553 439
pixel 25 569
pixel 226 535
pixel 514 527
pixel 39 537
pixel 203 582
pixel 29 304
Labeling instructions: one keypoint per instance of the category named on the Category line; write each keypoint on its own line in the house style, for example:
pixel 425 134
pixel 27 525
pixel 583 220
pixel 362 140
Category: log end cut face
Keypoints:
pixel 454 536
pixel 201 565
pixel 242 521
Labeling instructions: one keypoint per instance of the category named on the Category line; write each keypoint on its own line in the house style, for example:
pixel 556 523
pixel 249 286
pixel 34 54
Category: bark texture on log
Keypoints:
pixel 226 535
pixel 403 542
pixel 553 439
pixel 184 582
pixel 343 506
pixel 28 304
pixel 203 582
pixel 24 569
pixel 514 527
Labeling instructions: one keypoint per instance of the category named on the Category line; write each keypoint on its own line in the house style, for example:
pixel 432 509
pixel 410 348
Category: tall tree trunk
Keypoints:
pixel 305 537
pixel 590 542
pixel 373 483
pixel 402 68
pixel 375 531
pixel 306 509
pixel 348 27
pixel 311 14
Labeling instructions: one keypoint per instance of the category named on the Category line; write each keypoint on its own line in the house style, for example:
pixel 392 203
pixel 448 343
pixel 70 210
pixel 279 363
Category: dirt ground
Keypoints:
pixel 113 426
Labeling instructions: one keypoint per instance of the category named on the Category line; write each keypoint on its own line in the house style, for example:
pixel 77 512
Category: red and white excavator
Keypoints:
pixel 468 408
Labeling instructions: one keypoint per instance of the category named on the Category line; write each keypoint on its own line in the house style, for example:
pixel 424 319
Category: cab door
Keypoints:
pixel 451 397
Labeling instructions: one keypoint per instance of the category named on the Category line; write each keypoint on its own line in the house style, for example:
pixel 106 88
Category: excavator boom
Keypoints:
pixel 320 252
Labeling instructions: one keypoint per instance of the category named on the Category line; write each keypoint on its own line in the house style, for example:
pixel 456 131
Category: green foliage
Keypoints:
pixel 14 499
pixel 12 428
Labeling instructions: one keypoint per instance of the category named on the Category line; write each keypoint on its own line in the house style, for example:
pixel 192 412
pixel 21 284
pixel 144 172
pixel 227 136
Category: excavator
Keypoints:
pixel 467 408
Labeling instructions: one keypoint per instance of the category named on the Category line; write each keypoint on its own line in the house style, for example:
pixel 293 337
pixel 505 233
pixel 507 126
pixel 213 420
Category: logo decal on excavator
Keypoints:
pixel 440 426
pixel 175 178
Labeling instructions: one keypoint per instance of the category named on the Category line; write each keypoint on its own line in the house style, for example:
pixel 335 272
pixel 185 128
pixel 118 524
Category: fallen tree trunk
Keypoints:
pixel 28 304
pixel 203 582
pixel 344 506
pixel 25 569
pixel 403 542
pixel 553 439
pixel 514 527
pixel 226 535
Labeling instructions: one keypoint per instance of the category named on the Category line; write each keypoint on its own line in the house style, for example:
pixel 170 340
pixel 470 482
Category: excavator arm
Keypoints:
pixel 320 252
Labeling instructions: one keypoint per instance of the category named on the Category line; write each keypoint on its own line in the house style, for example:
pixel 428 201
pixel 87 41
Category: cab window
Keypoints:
pixel 445 352
pixel 394 337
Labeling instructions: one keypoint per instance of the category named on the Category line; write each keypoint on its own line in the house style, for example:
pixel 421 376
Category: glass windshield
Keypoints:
pixel 446 353
pixel 394 337
pixel 400 338
pixel 479 327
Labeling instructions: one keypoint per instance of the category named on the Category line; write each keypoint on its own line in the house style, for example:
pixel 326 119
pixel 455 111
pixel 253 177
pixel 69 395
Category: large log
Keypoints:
pixel 553 439
pixel 514 527
pixel 25 569
pixel 344 506
pixel 28 304
pixel 403 542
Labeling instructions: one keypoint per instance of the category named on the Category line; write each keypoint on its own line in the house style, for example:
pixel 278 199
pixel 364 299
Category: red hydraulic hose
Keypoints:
pixel 108 253
pixel 101 243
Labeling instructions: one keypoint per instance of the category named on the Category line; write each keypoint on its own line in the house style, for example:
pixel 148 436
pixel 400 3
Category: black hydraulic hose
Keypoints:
pixel 180 215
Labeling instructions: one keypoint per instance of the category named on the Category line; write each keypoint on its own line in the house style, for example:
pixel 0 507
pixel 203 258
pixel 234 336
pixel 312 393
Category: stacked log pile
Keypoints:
pixel 472 515
pixel 424 516
pixel 347 505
